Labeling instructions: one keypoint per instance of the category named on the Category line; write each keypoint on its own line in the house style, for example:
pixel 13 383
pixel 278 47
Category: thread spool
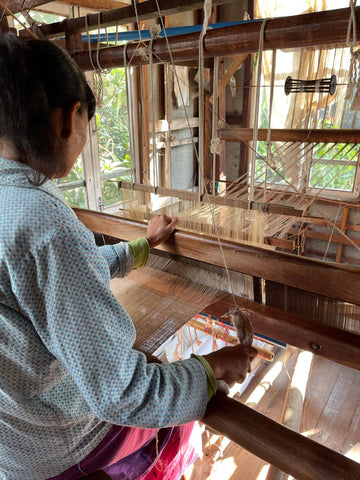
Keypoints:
pixel 325 85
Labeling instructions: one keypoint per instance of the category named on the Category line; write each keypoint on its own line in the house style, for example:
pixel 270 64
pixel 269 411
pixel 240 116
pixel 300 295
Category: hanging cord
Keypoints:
pixel 98 83
pixel 332 233
pixel 177 81
pixel 256 115
pixel 215 144
pixel 354 69
pixel 211 207
pixel 270 156
pixel 207 13
pixel 154 31
pixel 130 115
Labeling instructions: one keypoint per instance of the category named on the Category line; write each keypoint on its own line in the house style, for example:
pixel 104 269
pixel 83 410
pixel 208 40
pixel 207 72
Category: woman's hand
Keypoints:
pixel 159 229
pixel 232 364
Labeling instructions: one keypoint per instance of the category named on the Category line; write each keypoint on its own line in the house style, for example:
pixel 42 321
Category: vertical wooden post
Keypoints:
pixel 344 220
pixel 74 42
pixel 245 120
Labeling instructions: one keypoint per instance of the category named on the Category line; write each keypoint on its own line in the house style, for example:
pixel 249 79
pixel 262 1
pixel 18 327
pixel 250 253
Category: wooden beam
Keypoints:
pixel 326 341
pixel 278 445
pixel 17 6
pixel 97 4
pixel 332 280
pixel 320 28
pixel 290 135
pixel 344 220
pixel 326 237
pixel 122 16
pixel 176 124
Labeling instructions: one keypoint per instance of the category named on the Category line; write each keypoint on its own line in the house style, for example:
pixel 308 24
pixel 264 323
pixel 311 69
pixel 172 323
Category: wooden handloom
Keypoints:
pixel 291 452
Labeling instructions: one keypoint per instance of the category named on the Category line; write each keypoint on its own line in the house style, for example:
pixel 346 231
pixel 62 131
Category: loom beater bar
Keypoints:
pixel 341 282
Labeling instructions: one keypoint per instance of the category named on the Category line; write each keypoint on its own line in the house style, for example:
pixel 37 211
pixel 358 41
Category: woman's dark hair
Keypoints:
pixel 35 77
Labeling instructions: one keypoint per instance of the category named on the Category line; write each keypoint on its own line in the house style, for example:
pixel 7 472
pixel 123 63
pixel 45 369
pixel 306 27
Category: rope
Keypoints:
pixel 98 83
pixel 130 114
pixel 268 144
pixel 154 30
pixel 332 233
pixel 207 13
pixel 256 117
pixel 355 55
pixel 215 143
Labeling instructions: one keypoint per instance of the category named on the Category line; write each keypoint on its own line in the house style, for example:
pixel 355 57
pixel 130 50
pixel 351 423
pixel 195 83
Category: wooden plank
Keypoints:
pixel 290 135
pixel 289 451
pixel 280 243
pixel 323 377
pixel 319 28
pixel 97 4
pixel 323 340
pixel 351 446
pixel 326 237
pixel 339 410
pixel 122 16
pixel 176 124
pixel 332 280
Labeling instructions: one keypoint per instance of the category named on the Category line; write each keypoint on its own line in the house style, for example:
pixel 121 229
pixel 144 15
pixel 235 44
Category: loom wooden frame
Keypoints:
pixel 265 438
pixel 320 28
pixel 255 432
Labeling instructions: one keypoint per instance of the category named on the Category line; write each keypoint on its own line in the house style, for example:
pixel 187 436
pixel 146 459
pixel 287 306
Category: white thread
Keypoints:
pixel 215 146
pixel 354 68
pixel 270 156
pixel 207 13
pixel 256 114
pixel 155 31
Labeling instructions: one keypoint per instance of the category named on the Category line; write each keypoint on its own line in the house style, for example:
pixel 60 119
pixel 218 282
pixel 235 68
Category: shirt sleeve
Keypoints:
pixel 210 375
pixel 119 258
pixel 124 256
pixel 62 286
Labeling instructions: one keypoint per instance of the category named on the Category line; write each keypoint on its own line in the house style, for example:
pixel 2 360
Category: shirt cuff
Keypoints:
pixel 140 250
pixel 211 379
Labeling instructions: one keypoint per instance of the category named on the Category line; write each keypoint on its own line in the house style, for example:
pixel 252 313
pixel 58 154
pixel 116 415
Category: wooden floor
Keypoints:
pixel 331 415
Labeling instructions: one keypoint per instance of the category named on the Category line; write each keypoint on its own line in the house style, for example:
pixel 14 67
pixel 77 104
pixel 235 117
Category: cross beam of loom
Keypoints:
pixel 321 28
pixel 258 434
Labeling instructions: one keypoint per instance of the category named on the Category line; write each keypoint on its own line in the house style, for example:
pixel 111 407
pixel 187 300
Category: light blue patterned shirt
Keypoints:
pixel 68 370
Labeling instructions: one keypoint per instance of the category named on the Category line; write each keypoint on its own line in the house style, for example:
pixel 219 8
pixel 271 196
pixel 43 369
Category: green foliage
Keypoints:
pixel 113 134
pixel 75 197
pixel 326 173
pixel 113 131
pixel 335 177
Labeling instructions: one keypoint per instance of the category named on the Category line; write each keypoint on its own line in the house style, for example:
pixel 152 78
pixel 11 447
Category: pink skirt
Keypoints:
pixel 128 453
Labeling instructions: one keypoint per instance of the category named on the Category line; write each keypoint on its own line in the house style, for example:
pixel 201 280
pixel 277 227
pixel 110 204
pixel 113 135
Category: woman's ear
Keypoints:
pixel 68 120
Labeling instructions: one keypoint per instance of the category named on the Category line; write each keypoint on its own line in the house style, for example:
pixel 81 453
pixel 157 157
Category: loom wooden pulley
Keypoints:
pixel 325 85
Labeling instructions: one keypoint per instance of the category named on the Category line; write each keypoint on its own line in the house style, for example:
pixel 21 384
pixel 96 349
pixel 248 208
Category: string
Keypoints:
pixel 268 145
pixel 331 235
pixel 154 30
pixel 256 114
pixel 130 114
pixel 207 13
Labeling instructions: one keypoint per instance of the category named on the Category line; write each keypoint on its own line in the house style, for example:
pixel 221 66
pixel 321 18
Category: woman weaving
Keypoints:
pixel 75 397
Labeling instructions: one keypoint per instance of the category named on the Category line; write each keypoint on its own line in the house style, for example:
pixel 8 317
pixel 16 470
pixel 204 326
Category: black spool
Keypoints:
pixel 326 85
